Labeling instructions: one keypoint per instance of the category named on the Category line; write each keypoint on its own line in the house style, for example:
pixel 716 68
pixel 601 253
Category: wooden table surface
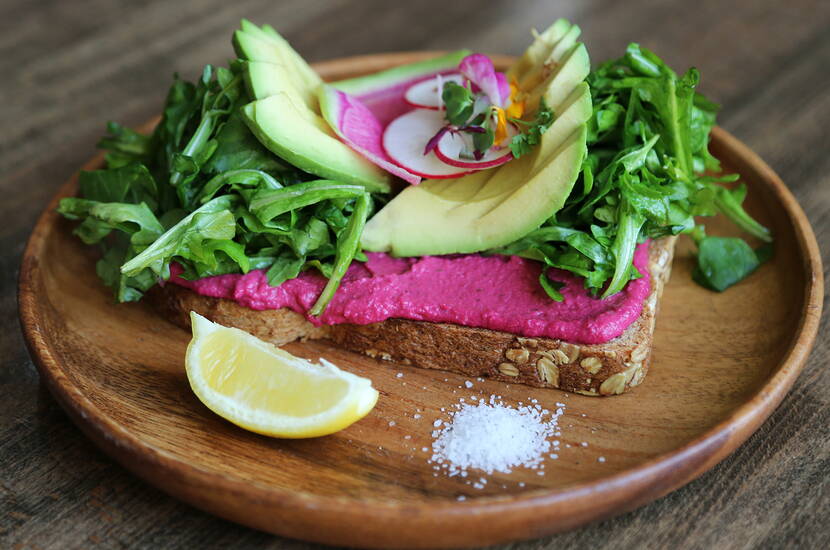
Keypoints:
pixel 68 66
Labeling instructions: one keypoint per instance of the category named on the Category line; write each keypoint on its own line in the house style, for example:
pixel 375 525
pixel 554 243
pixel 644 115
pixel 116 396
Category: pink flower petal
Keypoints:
pixel 479 70
pixel 504 88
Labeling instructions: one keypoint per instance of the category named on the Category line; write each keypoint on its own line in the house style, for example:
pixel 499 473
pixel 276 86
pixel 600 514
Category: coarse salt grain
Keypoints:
pixel 493 437
pixel 468 384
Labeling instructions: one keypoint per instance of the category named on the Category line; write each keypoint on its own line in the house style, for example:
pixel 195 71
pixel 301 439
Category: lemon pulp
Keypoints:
pixel 267 390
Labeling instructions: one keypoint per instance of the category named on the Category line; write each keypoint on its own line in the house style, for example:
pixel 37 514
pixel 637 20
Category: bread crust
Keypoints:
pixel 589 369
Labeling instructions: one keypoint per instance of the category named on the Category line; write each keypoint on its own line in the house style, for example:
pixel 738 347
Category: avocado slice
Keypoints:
pixel 495 207
pixel 557 55
pixel 256 49
pixel 287 127
pixel 264 79
pixel 489 208
pixel 541 48
pixel 563 78
pixel 305 74
pixel 286 114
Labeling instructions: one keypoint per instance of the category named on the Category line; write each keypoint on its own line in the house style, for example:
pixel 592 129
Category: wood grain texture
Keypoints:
pixel 68 66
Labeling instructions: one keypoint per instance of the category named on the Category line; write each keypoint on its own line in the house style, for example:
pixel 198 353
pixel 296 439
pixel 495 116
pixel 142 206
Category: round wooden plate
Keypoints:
pixel 722 363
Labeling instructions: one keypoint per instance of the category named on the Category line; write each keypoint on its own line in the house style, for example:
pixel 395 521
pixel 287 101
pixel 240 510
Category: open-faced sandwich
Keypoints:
pixel 518 225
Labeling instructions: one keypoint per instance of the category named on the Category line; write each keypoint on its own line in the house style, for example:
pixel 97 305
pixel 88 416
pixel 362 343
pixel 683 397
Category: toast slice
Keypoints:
pixel 589 369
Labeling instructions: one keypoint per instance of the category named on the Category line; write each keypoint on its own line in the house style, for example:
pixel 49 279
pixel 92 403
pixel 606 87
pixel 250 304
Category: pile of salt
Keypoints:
pixel 493 437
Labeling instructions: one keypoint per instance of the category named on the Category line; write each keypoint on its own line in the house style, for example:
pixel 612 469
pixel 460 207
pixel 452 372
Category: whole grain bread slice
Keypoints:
pixel 590 369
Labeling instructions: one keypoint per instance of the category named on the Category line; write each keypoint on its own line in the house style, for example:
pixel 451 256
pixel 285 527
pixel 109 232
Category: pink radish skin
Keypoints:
pixel 449 149
pixel 360 129
pixel 404 140
pixel 426 95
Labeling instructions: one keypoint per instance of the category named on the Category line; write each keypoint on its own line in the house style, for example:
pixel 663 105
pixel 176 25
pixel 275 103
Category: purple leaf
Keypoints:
pixel 479 70
pixel 433 142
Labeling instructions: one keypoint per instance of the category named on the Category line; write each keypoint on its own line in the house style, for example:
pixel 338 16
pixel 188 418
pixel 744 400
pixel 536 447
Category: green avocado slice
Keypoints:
pixel 495 207
pixel 288 128
pixel 257 49
pixel 489 208
pixel 541 48
pixel 288 55
pixel 286 118
pixel 265 79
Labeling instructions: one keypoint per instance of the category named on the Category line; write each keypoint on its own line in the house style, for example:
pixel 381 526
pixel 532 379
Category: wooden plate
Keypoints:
pixel 722 363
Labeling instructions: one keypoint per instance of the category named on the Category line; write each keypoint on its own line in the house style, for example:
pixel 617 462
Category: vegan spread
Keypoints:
pixel 496 292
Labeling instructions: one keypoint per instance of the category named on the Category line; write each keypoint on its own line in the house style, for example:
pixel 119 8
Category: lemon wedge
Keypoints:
pixel 264 389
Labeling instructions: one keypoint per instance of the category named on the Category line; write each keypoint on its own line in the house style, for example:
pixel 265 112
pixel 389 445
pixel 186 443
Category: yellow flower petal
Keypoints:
pixel 501 126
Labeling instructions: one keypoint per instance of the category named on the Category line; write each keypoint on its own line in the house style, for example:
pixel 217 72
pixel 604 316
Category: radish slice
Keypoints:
pixel 405 138
pixel 449 151
pixel 426 93
pixel 358 128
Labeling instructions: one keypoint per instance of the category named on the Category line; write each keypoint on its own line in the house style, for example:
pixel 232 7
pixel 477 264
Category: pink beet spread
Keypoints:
pixel 496 292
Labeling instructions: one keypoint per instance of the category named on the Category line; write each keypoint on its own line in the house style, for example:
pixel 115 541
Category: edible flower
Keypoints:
pixel 482 110
pixel 479 70
pixel 501 126
pixel 516 105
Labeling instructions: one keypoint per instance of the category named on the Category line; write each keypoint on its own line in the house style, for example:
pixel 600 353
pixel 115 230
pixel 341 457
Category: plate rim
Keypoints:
pixel 623 491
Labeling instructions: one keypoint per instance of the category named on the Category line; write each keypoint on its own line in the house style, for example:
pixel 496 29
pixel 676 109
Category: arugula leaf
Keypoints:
pixel 642 178
pixel 285 267
pixel 125 146
pixel 193 238
pixel 268 204
pixel 127 183
pixel 724 261
pixel 238 149
pixel 100 219
pixel 729 202
pixel 347 247
pixel 551 287
pixel 203 192
pixel 523 143
pixel 237 180
pixel 628 231
pixel 108 268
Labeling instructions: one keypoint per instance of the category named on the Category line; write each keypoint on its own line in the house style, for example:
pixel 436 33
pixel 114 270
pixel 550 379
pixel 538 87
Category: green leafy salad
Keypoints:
pixel 223 186
pixel 203 192
pixel 644 177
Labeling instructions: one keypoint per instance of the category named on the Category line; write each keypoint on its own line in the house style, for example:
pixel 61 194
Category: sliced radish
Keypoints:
pixel 451 145
pixel 358 128
pixel 404 140
pixel 426 94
